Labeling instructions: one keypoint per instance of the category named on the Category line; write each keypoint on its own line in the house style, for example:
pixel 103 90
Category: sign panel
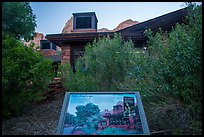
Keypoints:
pixel 102 113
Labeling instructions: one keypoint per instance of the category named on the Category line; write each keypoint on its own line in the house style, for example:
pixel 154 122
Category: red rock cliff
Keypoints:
pixel 68 28
pixel 36 40
pixel 125 24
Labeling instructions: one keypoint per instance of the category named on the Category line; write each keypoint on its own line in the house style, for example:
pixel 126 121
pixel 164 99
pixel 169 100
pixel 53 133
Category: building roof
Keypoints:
pixel 85 14
pixel 135 32
pixel 164 22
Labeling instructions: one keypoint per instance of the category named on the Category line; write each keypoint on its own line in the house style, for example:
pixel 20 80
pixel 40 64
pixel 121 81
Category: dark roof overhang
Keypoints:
pixel 60 39
pixel 165 22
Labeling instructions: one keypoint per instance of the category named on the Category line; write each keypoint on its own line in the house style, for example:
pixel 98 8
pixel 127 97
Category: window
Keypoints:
pixel 47 45
pixel 54 46
pixel 83 22
pixel 78 52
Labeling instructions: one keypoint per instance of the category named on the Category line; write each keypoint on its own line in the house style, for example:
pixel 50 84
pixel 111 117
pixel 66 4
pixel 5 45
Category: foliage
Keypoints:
pixel 172 70
pixel 70 119
pixel 109 60
pixel 25 75
pixel 176 58
pixel 18 20
pixel 64 71
pixel 78 81
pixel 103 67
pixel 86 115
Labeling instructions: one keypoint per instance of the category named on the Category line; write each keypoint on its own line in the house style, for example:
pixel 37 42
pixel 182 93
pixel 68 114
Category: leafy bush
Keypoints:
pixel 78 81
pixel 172 71
pixel 109 60
pixel 106 62
pixel 25 75
pixel 176 59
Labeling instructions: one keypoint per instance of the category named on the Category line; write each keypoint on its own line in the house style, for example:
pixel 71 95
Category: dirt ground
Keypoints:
pixel 38 119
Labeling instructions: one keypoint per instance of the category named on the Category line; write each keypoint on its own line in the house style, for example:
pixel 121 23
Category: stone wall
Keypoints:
pixel 66 54
pixel 47 52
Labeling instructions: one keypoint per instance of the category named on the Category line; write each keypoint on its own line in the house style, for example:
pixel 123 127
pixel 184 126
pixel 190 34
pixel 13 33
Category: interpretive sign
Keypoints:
pixel 102 113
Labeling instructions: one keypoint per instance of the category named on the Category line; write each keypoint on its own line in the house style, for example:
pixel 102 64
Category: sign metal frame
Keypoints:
pixel 65 106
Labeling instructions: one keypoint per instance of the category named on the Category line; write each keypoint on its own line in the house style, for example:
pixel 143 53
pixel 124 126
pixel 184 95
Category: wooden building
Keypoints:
pixel 85 31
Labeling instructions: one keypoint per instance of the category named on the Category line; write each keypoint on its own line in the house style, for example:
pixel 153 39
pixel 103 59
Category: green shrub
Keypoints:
pixel 175 61
pixel 103 67
pixel 172 71
pixel 25 75
pixel 78 81
pixel 109 61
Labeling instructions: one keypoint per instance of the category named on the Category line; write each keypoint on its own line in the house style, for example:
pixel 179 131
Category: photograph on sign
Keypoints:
pixel 102 114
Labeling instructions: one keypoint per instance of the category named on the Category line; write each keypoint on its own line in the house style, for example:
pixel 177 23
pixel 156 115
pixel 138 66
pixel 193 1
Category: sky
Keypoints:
pixel 51 17
pixel 103 101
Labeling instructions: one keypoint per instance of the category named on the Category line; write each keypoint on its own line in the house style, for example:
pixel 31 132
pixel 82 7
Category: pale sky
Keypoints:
pixel 103 101
pixel 52 16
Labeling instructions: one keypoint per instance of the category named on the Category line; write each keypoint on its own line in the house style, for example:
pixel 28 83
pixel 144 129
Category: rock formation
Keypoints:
pixel 37 38
pixel 36 41
pixel 68 28
pixel 125 24
pixel 104 30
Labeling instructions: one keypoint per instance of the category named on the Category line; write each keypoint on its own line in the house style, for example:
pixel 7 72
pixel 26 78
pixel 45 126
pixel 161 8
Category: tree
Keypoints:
pixel 86 113
pixel 70 119
pixel 18 20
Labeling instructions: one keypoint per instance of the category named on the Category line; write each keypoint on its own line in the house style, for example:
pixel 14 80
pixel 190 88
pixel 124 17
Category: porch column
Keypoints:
pixel 66 54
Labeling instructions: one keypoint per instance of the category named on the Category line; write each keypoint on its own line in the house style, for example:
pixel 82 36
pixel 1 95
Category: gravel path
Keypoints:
pixel 38 119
